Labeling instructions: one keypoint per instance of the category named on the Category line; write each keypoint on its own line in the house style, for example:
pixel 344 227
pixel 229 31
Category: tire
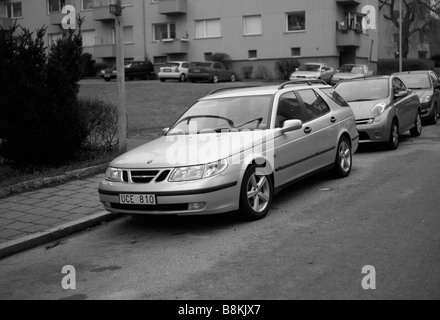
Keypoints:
pixel 215 78
pixel 233 78
pixel 251 206
pixel 107 79
pixel 344 158
pixel 417 130
pixel 434 118
pixel 393 141
pixel 182 78
pixel 193 80
pixel 162 80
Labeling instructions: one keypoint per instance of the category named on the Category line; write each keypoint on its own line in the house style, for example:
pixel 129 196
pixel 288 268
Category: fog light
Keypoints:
pixel 196 205
pixel 378 135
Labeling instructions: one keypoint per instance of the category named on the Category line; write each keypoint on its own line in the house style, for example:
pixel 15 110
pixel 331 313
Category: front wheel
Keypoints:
pixel 393 142
pixel 434 118
pixel 344 158
pixel 417 130
pixel 255 195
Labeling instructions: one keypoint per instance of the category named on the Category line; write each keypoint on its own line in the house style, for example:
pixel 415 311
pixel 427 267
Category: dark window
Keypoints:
pixel 336 97
pixel 295 52
pixel 252 54
pixel 314 104
pixel 296 21
pixel 289 108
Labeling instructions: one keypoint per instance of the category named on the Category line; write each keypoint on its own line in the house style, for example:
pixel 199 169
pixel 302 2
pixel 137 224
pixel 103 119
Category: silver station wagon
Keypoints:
pixel 233 150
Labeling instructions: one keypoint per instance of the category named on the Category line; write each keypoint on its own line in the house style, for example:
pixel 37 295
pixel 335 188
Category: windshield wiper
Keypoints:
pixel 258 119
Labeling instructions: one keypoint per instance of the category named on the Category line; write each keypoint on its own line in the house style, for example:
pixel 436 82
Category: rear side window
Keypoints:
pixel 314 104
pixel 336 97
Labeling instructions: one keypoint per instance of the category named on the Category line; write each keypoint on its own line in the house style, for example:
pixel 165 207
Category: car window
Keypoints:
pixel 434 78
pixel 415 81
pixel 398 85
pixel 218 66
pixel 315 105
pixel 336 97
pixel 185 65
pixel 289 108
pixel 365 90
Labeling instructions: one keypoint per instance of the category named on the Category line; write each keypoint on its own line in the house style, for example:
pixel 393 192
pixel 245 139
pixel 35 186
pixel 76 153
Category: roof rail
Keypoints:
pixel 230 88
pixel 309 82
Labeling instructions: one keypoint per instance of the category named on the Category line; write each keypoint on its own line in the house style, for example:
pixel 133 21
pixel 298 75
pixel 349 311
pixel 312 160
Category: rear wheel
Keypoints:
pixel 182 78
pixel 393 142
pixel 233 78
pixel 162 80
pixel 343 161
pixel 434 118
pixel 417 130
pixel 215 79
pixel 255 195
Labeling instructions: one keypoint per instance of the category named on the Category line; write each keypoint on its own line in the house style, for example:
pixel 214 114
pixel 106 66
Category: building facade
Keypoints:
pixel 251 32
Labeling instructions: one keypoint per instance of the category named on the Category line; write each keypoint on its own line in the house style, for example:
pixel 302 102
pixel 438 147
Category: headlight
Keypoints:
pixel 378 109
pixel 427 99
pixel 198 172
pixel 115 71
pixel 102 71
pixel 113 174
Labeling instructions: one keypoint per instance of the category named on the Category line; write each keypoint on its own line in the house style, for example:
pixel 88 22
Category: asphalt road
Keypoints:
pixel 314 243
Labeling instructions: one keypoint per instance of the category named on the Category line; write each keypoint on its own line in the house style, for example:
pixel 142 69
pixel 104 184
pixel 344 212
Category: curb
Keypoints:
pixel 39 238
pixel 50 181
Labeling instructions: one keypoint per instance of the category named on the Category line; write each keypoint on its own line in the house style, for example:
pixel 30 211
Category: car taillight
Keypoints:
pixel 177 69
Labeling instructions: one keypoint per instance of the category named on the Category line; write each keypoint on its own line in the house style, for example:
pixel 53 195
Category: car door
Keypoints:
pixel 406 107
pixel 436 84
pixel 322 124
pixel 326 73
pixel 220 71
pixel 292 149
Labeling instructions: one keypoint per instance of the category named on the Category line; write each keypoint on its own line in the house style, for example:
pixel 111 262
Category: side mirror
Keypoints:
pixel 291 125
pixel 401 94
pixel 165 130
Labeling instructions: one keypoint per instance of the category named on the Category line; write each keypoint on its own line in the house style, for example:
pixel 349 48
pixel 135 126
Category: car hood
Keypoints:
pixel 362 109
pixel 305 74
pixel 423 93
pixel 346 76
pixel 186 150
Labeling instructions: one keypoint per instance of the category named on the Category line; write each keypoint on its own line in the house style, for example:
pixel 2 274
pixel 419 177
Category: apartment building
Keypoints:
pixel 252 32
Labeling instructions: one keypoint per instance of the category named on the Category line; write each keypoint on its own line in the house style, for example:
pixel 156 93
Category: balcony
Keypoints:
pixel 55 18
pixel 172 46
pixel 104 51
pixel 6 23
pixel 102 13
pixel 172 7
pixel 348 38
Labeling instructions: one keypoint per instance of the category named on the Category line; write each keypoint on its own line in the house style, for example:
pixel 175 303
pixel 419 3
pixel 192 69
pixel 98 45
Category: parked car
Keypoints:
pixel 384 108
pixel 136 69
pixel 313 70
pixel 210 71
pixel 174 70
pixel 351 71
pixel 232 150
pixel 426 84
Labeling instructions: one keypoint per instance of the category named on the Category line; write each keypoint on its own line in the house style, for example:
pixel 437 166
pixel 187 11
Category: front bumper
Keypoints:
pixel 427 110
pixel 219 194
pixel 374 132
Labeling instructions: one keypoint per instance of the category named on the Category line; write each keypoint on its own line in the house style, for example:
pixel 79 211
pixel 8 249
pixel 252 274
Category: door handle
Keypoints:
pixel 307 130
pixel 333 119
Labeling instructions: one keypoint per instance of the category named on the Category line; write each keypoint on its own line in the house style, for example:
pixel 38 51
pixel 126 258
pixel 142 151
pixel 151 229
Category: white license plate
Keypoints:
pixel 107 76
pixel 167 70
pixel 148 199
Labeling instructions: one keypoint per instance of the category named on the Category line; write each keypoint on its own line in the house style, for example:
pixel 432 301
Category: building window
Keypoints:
pixel 55 5
pixel 296 21
pixel 88 38
pixel 207 56
pixel 208 28
pixel 54 37
pixel 252 25
pixel 86 4
pixel 164 31
pixel 252 54
pixel 295 52
pixel 13 10
pixel 423 54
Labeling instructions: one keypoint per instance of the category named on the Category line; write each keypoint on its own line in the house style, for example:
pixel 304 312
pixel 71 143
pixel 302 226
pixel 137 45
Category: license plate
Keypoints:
pixel 167 70
pixel 107 76
pixel 148 199
pixel 196 70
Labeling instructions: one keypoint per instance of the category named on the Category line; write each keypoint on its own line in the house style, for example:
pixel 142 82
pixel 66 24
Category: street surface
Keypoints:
pixel 314 243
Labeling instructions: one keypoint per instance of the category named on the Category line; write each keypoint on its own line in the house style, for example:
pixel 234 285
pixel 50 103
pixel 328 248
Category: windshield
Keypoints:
pixel 352 69
pixel 171 64
pixel 415 81
pixel 309 67
pixel 225 115
pixel 366 90
pixel 201 64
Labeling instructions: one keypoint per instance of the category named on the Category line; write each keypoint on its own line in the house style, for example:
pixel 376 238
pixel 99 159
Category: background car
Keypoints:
pixel 426 84
pixel 232 150
pixel 136 69
pixel 314 70
pixel 210 71
pixel 174 70
pixel 383 107
pixel 351 71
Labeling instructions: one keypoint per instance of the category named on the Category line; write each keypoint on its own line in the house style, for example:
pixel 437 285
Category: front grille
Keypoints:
pixel 363 136
pixel 143 176
pixel 158 207
pixel 365 121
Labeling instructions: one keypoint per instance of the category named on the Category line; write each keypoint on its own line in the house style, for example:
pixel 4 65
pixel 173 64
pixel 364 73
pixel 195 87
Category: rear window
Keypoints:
pixel 171 64
pixel 336 97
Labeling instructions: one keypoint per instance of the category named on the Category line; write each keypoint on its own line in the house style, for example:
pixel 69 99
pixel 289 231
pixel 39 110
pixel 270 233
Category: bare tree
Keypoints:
pixel 416 17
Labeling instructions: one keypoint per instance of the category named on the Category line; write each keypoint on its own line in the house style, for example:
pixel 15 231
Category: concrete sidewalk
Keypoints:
pixel 32 218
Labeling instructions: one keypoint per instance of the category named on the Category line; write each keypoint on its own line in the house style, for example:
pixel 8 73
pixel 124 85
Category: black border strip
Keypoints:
pixel 305 159
pixel 175 193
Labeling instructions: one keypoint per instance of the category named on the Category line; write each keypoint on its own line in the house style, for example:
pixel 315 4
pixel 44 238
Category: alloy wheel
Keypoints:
pixel 258 192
